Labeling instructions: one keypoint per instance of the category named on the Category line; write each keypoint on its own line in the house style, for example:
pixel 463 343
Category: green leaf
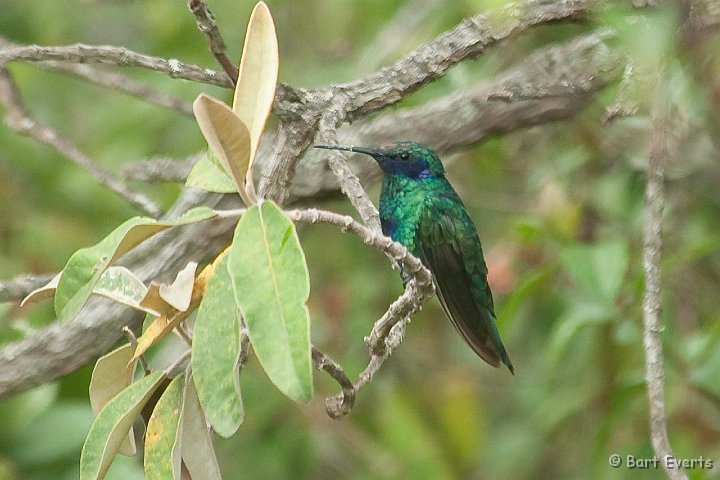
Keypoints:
pixel 271 286
pixel 162 439
pixel 112 425
pixel 206 175
pixel 215 353
pixel 197 448
pixel 111 375
pixel 85 267
pixel 598 269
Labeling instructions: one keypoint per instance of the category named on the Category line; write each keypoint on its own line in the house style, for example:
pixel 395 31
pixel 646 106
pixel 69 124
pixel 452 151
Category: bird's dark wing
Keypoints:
pixel 448 244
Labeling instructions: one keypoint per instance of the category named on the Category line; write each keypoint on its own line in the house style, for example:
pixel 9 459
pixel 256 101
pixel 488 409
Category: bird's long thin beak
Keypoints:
pixel 373 152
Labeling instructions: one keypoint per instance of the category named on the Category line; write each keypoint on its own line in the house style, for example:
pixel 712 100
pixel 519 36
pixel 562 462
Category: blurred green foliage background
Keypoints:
pixel 559 208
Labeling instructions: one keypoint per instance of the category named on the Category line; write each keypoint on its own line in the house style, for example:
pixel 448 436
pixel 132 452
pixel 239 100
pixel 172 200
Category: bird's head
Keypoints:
pixel 407 159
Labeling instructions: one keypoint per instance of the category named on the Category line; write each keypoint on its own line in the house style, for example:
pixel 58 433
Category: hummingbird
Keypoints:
pixel 421 210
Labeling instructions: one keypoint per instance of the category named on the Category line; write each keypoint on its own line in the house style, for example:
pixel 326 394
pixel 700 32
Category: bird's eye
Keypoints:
pixel 404 156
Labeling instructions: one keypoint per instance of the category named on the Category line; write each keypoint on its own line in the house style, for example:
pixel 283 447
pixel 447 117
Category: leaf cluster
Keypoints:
pixel 255 289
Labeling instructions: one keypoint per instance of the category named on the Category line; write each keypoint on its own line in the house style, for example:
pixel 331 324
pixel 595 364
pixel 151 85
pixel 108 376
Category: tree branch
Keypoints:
pixel 469 39
pixel 335 409
pixel 206 24
pixel 553 84
pixel 348 102
pixel 119 56
pixel 20 287
pixel 349 182
pixel 114 81
pixel 652 298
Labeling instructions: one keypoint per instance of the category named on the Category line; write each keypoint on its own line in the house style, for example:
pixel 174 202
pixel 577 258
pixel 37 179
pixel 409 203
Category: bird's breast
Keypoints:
pixel 401 204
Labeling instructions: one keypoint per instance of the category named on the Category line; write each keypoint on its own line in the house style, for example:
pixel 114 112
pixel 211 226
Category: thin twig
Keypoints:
pixel 114 81
pixel 133 343
pixel 207 25
pixel 18 119
pixel 388 331
pixel 120 56
pixel 652 298
pixel 333 407
pixel 371 238
pixel 180 331
pixel 122 83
